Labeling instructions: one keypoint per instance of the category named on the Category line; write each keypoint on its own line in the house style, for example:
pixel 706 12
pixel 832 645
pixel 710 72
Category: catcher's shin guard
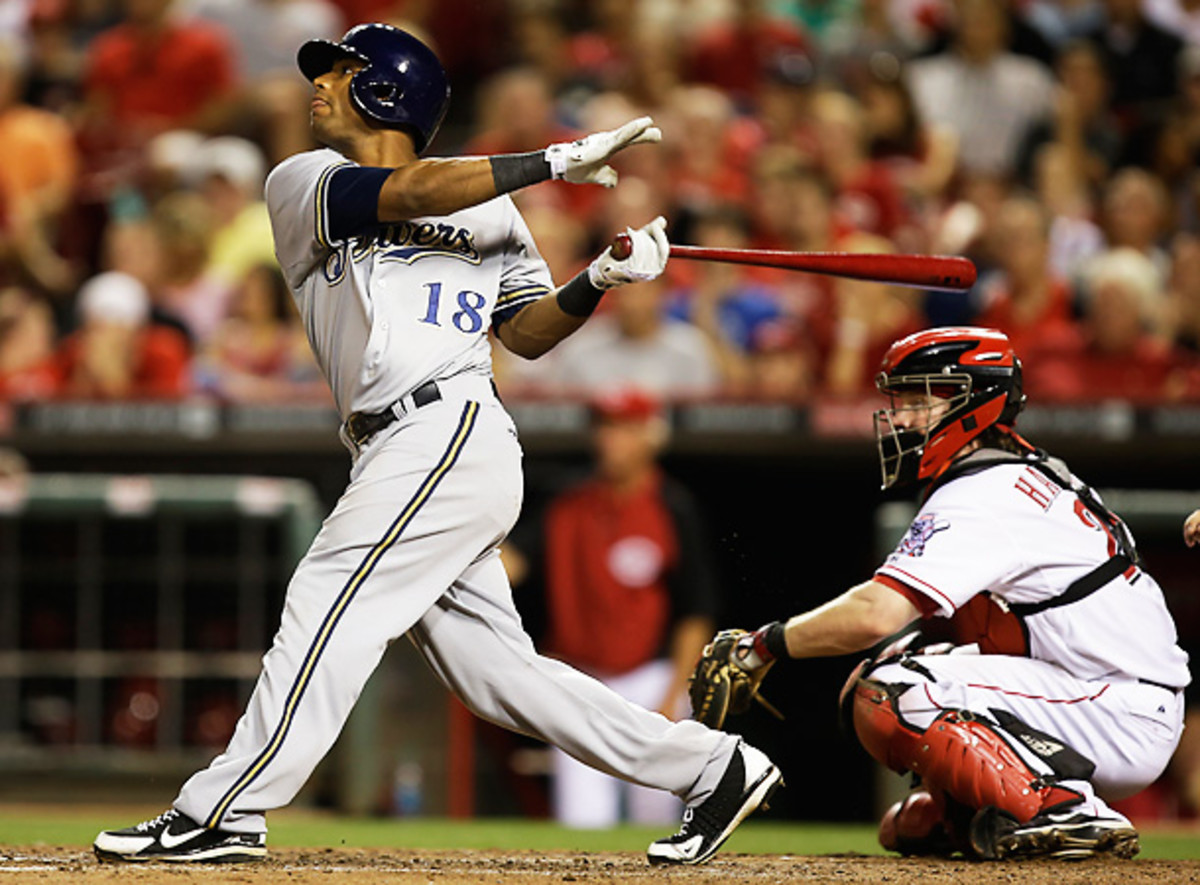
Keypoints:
pixel 959 753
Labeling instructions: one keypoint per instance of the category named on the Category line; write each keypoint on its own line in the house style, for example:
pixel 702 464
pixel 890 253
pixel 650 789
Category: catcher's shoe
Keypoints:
pixel 175 837
pixel 996 835
pixel 747 784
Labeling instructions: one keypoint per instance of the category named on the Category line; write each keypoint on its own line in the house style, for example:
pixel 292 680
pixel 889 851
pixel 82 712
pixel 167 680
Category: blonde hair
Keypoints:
pixel 1136 273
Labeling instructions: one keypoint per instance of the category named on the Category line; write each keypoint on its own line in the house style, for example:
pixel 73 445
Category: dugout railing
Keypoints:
pixel 134 613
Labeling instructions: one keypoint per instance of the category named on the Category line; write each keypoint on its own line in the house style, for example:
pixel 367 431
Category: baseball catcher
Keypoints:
pixel 1037 702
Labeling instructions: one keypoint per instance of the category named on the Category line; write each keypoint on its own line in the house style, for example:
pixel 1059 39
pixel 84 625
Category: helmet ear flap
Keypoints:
pixel 384 93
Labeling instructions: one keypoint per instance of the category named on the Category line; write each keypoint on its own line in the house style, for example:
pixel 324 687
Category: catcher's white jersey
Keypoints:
pixel 1010 531
pixel 411 303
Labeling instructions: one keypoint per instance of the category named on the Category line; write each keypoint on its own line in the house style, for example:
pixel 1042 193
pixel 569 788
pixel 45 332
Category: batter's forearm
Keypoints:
pixel 538 327
pixel 549 320
pixel 442 186
pixel 436 187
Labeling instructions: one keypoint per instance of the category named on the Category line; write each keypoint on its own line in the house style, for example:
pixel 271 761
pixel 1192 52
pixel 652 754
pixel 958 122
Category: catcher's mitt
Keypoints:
pixel 719 686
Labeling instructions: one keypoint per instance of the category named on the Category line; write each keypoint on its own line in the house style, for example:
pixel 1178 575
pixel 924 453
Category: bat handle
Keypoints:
pixel 622 246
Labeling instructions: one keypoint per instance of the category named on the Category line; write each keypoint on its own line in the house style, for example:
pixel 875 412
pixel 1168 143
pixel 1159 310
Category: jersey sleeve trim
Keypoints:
pixel 926 606
pixel 918 584
pixel 509 304
pixel 322 204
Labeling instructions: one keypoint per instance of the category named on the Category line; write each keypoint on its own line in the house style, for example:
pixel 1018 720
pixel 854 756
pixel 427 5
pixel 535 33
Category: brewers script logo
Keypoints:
pixel 404 242
pixel 922 529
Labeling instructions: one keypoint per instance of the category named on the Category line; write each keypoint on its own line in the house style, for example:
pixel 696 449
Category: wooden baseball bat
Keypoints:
pixel 947 273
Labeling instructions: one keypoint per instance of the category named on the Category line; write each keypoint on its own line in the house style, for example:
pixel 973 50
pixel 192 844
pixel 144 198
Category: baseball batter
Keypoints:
pixel 399 267
pixel 1061 682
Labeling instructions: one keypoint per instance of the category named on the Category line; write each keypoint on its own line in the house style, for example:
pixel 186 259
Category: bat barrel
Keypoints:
pixel 941 272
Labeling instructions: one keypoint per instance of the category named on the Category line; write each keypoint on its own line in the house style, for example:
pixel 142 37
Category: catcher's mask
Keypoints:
pixel 963 379
pixel 403 84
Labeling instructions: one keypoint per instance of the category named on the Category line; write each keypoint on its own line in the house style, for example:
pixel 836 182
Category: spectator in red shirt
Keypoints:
pixel 868 318
pixel 157 72
pixel 794 209
pixel 152 73
pixel 782 111
pixel 733 55
pixel 630 590
pixel 1117 353
pixel 867 196
pixel 1025 299
pixel 705 167
pixel 116 352
pixel 27 343
pixel 921 155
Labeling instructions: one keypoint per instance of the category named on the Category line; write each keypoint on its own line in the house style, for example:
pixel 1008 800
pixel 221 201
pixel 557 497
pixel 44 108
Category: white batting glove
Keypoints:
pixel 648 258
pixel 583 161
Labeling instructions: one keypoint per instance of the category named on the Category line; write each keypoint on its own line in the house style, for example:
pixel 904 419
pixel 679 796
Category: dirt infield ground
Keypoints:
pixel 49 866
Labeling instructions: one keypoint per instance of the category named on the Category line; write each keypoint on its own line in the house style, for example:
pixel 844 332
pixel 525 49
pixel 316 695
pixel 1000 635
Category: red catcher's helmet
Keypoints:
pixel 974 369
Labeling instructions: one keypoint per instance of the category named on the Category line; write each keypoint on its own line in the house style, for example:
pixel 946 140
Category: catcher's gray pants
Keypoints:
pixel 411 548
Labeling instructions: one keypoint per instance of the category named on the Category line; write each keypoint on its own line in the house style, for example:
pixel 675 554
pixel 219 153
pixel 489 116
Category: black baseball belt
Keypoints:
pixel 361 426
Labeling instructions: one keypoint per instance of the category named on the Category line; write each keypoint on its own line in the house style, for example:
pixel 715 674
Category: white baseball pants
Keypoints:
pixel 585 798
pixel 410 548
pixel 1129 729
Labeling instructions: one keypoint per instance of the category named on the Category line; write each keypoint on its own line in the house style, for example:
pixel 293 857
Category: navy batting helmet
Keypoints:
pixel 403 84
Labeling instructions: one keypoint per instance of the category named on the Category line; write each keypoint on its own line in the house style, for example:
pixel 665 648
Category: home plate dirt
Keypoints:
pixel 49 866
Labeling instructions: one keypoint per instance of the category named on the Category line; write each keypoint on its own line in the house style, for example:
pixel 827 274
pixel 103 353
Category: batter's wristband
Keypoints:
pixel 511 172
pixel 579 297
pixel 770 641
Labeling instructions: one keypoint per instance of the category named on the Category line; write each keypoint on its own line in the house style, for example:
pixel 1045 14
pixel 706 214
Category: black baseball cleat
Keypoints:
pixel 747 784
pixel 997 835
pixel 174 837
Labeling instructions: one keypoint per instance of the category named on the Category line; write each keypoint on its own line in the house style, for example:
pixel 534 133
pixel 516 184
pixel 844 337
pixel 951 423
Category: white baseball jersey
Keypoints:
pixel 1012 532
pixel 409 303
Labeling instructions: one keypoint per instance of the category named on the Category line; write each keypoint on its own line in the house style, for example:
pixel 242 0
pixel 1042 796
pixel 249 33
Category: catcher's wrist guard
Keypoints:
pixel 770 641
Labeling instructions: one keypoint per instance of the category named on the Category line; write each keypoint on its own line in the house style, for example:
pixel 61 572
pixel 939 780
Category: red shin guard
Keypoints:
pixel 958 753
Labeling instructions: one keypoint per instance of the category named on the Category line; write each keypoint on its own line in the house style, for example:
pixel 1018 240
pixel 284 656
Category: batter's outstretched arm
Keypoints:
pixel 550 319
pixel 441 186
pixel 436 187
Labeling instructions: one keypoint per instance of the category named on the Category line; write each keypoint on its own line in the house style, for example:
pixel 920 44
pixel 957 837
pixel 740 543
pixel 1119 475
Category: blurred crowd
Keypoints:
pixel 1054 142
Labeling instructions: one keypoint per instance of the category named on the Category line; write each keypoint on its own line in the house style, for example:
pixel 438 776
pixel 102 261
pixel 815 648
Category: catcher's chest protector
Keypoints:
pixel 958 753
